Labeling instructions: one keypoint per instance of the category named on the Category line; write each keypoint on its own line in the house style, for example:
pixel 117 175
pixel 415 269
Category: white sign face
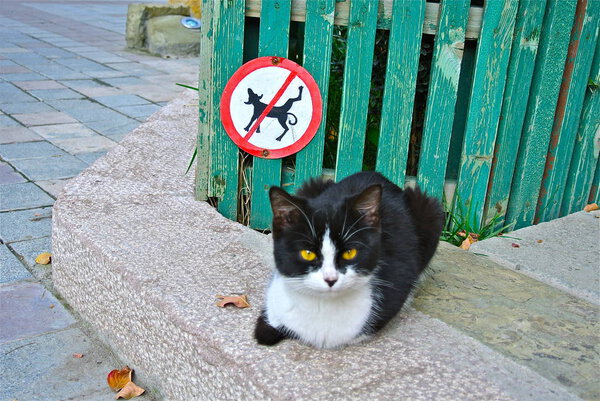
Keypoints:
pixel 290 116
pixel 271 107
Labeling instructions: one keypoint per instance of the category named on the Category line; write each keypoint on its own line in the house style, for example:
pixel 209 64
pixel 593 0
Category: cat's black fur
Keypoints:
pixel 395 231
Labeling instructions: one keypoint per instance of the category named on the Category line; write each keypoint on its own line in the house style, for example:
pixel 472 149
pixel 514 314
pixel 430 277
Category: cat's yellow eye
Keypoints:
pixel 308 255
pixel 349 254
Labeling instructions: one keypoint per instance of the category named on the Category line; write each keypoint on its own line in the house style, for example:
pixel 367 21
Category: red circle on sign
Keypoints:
pixel 244 142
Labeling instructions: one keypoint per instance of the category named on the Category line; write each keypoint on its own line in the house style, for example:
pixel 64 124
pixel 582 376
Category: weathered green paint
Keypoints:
pixel 520 70
pixel 273 41
pixel 317 56
pixel 545 87
pixel 225 36
pixel 441 99
pixel 493 53
pixel 568 110
pixel 204 105
pixel 357 83
pixel 399 93
pixel 587 145
pixel 595 191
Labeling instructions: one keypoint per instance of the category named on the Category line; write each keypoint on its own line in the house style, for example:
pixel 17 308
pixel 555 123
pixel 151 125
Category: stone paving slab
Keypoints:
pixel 32 106
pixel 44 118
pixel 17 134
pixel 22 196
pixel 50 168
pixel 56 375
pixel 8 175
pixel 28 309
pixel 563 253
pixel 25 224
pixel 29 250
pixel 6 121
pixel 29 150
pixel 11 268
pixel 54 187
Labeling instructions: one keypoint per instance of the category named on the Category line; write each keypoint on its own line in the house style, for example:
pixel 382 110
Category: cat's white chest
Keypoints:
pixel 322 320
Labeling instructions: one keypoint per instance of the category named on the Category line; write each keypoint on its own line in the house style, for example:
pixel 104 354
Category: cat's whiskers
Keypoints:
pixel 344 234
pixel 357 231
pixel 310 225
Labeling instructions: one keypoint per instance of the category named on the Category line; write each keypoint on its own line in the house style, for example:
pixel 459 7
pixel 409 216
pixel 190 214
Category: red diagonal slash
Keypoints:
pixel 271 104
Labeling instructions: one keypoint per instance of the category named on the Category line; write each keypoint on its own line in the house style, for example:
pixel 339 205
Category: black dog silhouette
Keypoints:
pixel 281 113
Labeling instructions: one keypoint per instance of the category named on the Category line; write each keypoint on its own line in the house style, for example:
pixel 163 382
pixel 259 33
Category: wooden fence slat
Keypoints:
pixel 568 109
pixel 520 70
pixel 226 26
pixel 587 145
pixel 489 78
pixel 399 92
pixel 273 41
pixel 545 87
pixel 357 83
pixel 317 56
pixel 441 99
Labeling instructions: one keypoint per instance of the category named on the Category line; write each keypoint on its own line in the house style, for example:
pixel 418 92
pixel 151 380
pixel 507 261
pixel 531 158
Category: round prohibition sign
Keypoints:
pixel 271 107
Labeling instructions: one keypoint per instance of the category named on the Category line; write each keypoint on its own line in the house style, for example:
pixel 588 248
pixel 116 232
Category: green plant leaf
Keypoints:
pixel 186 86
pixel 192 161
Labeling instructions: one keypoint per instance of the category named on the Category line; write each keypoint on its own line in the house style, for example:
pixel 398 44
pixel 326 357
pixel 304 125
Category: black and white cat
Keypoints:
pixel 347 257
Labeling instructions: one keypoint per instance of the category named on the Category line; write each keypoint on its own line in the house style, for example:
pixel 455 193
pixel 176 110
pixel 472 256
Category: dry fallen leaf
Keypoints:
pixel 514 245
pixel 590 207
pixel 241 301
pixel 43 258
pixel 540 241
pixel 52 306
pixel 129 391
pixel 117 379
pixel 462 233
pixel 77 355
pixel 466 244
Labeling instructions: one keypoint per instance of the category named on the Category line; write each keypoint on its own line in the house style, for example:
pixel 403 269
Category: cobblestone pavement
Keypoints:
pixel 69 92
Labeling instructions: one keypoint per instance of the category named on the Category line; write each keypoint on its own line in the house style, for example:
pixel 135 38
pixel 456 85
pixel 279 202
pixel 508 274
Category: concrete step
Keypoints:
pixel 142 262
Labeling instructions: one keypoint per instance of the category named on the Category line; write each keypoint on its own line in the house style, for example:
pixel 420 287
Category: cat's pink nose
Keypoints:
pixel 330 282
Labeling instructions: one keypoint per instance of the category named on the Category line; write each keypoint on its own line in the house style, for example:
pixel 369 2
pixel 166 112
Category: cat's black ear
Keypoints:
pixel 367 204
pixel 285 207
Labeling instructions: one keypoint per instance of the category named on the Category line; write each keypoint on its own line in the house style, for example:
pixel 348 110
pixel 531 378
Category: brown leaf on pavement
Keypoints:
pixel 590 207
pixel 117 379
pixel 43 258
pixel 514 245
pixel 77 355
pixel 241 301
pixel 129 391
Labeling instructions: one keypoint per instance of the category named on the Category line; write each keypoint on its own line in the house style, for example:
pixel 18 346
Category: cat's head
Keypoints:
pixel 325 244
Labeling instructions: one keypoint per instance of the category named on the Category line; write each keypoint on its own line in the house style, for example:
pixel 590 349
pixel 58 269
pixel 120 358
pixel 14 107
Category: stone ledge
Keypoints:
pixel 142 262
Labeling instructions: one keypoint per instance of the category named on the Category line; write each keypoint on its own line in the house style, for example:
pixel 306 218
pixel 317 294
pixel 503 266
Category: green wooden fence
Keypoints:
pixel 511 122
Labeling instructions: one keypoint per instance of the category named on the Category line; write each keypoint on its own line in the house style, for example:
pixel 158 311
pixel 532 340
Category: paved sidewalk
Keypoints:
pixel 69 92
